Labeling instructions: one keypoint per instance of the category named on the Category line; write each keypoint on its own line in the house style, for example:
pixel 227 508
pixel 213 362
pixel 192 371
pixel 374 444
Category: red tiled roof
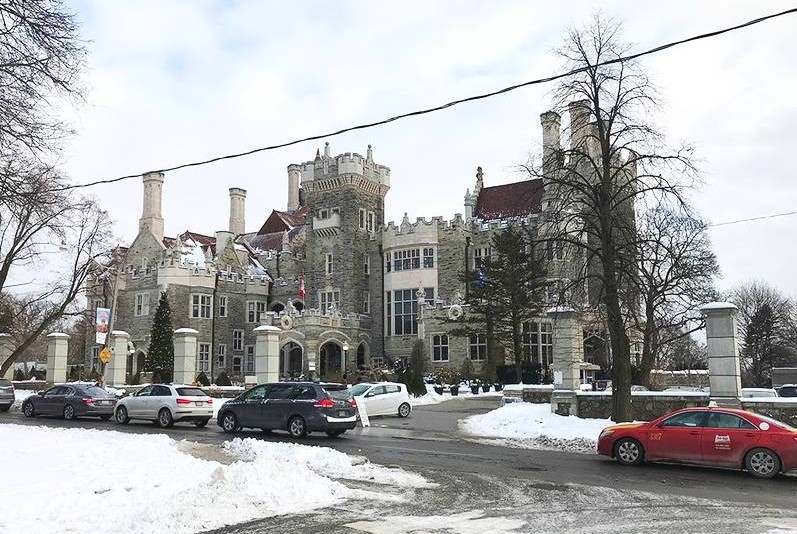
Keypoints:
pixel 279 221
pixel 509 200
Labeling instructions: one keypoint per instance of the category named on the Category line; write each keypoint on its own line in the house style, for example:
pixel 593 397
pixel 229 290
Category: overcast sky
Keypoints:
pixel 172 82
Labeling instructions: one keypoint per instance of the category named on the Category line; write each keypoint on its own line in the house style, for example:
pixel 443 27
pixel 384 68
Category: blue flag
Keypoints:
pixel 480 277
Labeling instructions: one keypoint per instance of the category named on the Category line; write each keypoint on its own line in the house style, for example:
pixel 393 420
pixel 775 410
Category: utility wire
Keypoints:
pixel 443 106
pixel 772 216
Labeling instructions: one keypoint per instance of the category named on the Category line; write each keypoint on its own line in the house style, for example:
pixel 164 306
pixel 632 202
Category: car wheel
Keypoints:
pixel 69 412
pixel 28 410
pixel 105 417
pixel 334 433
pixel 629 452
pixel 297 427
pixel 201 423
pixel 404 409
pixel 165 418
pixel 229 423
pixel 762 463
pixel 121 415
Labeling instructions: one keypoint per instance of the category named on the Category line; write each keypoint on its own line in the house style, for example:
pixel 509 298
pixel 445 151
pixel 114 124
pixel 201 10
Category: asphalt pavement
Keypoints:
pixel 489 488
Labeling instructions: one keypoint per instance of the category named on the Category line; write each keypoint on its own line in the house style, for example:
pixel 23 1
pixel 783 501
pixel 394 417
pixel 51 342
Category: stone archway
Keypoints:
pixel 291 360
pixel 330 361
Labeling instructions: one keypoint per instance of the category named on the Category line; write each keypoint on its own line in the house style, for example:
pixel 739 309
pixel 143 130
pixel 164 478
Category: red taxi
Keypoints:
pixel 719 437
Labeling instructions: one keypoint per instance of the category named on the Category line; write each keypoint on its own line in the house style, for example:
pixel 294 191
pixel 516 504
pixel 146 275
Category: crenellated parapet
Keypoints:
pixel 328 167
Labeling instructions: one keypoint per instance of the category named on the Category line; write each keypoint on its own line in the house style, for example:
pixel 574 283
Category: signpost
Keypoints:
pixel 105 355
pixel 361 410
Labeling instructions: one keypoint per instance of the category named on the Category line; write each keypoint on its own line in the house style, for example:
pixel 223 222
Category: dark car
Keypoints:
pixel 789 390
pixel 70 401
pixel 6 394
pixel 296 407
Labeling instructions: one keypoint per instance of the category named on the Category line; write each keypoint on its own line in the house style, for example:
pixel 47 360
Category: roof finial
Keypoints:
pixel 479 182
pixel 369 154
pixel 326 149
pixel 317 154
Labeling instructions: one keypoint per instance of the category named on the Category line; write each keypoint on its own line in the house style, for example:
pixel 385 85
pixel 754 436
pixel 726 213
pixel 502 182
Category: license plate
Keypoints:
pixel 200 403
pixel 341 413
pixel 100 402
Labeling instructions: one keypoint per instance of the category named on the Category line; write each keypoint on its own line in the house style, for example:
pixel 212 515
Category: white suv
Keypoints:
pixel 166 404
pixel 382 398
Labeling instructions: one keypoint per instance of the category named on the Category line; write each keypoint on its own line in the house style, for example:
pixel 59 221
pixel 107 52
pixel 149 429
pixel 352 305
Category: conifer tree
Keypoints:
pixel 160 358
pixel 413 373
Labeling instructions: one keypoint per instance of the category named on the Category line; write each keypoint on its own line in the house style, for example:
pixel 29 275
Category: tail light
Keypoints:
pixel 325 403
pixel 87 400
pixel 184 401
pixel 209 401
pixel 352 402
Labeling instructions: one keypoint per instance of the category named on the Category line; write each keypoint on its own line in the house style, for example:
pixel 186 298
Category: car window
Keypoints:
pixel 145 391
pixel 304 393
pixel 686 419
pixel 727 420
pixel 94 391
pixel 378 390
pixel 4 383
pixel 280 391
pixel 161 391
pixel 392 389
pixel 256 393
pixel 52 392
pixel 359 389
pixel 67 391
pixel 191 392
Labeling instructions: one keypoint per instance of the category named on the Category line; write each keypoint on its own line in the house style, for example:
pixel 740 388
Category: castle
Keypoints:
pixel 346 288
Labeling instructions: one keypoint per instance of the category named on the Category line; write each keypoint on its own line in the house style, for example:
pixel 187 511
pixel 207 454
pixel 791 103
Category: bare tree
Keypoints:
pixel 616 161
pixel 674 276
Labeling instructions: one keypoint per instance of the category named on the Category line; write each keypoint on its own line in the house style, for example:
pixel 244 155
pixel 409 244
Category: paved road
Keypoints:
pixel 513 484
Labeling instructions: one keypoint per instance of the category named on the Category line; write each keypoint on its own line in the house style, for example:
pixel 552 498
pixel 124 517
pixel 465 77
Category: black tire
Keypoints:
pixel 334 433
pixel 28 410
pixel 121 415
pixel 229 423
pixel 165 419
pixel 105 417
pixel 404 409
pixel 629 451
pixel 5 408
pixel 762 463
pixel 201 423
pixel 297 427
pixel 69 412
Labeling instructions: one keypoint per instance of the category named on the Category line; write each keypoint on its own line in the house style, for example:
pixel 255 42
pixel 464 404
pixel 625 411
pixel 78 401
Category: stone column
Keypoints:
pixel 568 353
pixel 57 351
pixel 116 369
pixel 6 348
pixel 311 354
pixel 185 352
pixel 724 371
pixel 267 350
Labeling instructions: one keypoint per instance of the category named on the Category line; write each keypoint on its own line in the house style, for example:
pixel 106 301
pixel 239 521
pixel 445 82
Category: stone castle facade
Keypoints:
pixel 347 289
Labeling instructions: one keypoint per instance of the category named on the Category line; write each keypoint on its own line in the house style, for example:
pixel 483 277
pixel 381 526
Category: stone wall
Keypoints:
pixel 644 407
pixel 782 409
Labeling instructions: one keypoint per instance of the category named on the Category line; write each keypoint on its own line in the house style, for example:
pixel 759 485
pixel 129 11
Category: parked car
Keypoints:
pixel 71 401
pixel 6 394
pixel 788 390
pixel 719 437
pixel 166 404
pixel 381 398
pixel 751 393
pixel 296 407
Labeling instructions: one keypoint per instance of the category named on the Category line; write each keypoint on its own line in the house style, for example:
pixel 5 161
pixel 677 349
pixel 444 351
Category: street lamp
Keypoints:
pixel 345 356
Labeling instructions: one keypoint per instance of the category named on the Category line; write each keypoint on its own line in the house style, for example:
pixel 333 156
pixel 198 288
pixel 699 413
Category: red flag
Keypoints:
pixel 302 292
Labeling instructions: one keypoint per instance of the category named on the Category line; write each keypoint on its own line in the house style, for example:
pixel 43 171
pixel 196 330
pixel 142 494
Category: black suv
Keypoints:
pixel 297 407
pixel 788 390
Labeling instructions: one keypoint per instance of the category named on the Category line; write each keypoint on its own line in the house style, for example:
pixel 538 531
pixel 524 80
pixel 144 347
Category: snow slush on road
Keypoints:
pixel 79 480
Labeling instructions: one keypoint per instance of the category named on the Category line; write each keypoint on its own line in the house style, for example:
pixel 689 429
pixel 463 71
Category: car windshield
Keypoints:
pixel 4 383
pixel 94 391
pixel 191 392
pixel 359 389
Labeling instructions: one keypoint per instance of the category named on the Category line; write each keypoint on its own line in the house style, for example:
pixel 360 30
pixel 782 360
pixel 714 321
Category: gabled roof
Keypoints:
pixel 509 200
pixel 200 239
pixel 280 221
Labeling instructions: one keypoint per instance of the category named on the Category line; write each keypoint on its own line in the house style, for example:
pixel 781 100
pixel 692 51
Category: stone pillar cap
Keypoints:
pixel 264 329
pixel 186 331
pixel 560 309
pixel 119 333
pixel 58 335
pixel 718 306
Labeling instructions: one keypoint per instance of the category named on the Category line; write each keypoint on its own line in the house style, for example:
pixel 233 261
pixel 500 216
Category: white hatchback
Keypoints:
pixel 382 398
pixel 166 404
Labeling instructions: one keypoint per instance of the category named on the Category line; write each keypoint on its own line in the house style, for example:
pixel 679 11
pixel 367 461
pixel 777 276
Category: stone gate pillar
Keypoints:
pixel 312 358
pixel 185 353
pixel 267 351
pixel 722 343
pixel 6 348
pixel 57 351
pixel 568 353
pixel 116 369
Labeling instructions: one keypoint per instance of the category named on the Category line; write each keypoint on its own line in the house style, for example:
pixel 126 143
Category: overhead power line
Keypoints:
pixel 443 106
pixel 771 216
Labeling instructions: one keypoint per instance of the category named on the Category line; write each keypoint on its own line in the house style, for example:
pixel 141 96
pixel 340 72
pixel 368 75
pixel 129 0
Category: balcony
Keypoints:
pixel 327 227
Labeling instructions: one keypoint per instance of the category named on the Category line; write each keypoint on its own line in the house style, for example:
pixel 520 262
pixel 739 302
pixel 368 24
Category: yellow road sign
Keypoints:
pixel 105 355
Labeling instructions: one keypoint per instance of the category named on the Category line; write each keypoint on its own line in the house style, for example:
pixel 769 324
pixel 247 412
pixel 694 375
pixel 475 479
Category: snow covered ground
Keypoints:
pixel 81 480
pixel 533 426
pixel 464 392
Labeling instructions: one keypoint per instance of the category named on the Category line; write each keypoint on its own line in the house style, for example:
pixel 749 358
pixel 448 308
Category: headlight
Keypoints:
pixel 606 432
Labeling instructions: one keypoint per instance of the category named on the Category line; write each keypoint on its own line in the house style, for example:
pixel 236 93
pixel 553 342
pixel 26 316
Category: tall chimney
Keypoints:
pixel 579 122
pixel 151 218
pixel 294 172
pixel 551 123
pixel 237 210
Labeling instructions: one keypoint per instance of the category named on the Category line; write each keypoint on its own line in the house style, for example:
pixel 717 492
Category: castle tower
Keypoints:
pixel 551 124
pixel 151 218
pixel 237 210
pixel 294 173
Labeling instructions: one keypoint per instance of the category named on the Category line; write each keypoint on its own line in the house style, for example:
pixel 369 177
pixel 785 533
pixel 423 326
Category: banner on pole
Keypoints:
pixel 101 324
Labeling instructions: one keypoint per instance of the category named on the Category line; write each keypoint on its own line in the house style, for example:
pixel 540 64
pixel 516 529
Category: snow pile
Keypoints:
pixel 19 396
pixel 534 426
pixel 80 480
pixel 464 392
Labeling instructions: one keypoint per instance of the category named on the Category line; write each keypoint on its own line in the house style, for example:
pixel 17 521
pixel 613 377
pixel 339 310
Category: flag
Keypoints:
pixel 101 325
pixel 480 277
pixel 302 292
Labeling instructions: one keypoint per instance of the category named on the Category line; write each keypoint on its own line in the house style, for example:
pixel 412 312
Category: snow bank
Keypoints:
pixel 534 426
pixel 80 480
pixel 19 396
pixel 464 392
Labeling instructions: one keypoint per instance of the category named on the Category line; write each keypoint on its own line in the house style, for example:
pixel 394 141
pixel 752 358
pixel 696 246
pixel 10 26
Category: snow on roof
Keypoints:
pixel 718 306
